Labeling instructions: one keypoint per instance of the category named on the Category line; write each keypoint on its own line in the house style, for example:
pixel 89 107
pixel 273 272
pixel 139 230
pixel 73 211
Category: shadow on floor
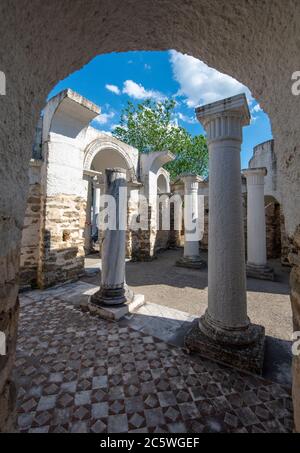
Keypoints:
pixel 278 356
pixel 162 271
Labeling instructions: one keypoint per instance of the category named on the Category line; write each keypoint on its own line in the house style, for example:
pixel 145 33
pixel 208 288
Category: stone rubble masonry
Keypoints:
pixel 294 259
pixel 143 241
pixel 273 234
pixel 62 244
pixel 9 313
pixel 30 237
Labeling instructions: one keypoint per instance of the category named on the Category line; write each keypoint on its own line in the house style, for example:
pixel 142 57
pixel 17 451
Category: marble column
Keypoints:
pixel 224 332
pixel 88 226
pixel 113 290
pixel 256 225
pixel 191 258
pixel 96 207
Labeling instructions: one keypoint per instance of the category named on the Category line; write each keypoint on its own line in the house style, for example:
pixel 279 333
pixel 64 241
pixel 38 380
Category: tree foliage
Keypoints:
pixel 149 126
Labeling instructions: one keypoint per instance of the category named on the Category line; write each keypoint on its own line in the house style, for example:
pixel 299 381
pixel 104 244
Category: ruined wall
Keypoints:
pixel 264 156
pixel 273 230
pixel 62 244
pixel 294 259
pixel 204 240
pixel 143 240
pixel 31 229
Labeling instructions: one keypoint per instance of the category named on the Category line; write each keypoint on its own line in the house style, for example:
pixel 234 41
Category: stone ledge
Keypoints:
pixel 260 272
pixel 114 313
pixel 249 358
pixel 191 263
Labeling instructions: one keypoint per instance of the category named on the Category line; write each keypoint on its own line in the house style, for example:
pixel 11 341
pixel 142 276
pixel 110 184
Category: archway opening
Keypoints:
pixel 111 159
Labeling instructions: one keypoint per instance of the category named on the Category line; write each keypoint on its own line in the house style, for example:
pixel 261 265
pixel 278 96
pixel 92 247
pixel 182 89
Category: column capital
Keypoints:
pixel 255 176
pixel 224 120
pixel 191 181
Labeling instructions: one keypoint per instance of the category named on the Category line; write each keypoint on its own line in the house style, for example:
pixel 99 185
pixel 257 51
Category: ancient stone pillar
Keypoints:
pixel 256 225
pixel 114 299
pixel 191 256
pixel 113 289
pixel 225 332
pixel 88 229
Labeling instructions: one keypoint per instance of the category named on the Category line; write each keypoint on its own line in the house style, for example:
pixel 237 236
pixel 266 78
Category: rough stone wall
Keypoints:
pixel 204 240
pixel 294 258
pixel 31 230
pixel 162 239
pixel 287 243
pixel 253 39
pixel 175 236
pixel 273 231
pixel 62 244
pixel 143 241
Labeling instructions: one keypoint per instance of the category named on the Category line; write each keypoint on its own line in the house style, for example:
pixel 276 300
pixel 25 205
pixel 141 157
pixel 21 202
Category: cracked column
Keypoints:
pixel 224 332
pixel 191 258
pixel 256 225
pixel 114 299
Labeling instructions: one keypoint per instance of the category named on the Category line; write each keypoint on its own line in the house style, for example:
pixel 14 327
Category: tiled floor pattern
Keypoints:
pixel 78 373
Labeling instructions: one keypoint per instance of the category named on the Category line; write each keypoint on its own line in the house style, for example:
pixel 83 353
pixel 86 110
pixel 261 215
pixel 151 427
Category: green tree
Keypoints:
pixel 149 126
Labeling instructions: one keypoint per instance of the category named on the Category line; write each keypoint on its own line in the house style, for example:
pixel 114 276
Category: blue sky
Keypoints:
pixel 111 80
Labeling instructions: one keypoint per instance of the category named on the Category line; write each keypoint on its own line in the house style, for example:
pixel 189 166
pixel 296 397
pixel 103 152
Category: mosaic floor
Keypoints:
pixel 77 373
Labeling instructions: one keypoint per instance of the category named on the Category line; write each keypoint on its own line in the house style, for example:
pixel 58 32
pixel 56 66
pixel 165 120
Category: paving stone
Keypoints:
pixel 101 377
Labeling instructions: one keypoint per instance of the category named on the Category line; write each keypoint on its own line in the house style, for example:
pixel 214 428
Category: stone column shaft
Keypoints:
pixel 191 256
pixel 256 225
pixel 96 207
pixel 113 289
pixel 225 329
pixel 88 226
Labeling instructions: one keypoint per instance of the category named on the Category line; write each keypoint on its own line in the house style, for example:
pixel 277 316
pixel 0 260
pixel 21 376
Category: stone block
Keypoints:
pixel 191 263
pixel 260 272
pixel 114 313
pixel 248 358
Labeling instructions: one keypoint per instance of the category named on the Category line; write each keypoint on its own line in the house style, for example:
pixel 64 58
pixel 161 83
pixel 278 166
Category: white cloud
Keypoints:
pixel 187 119
pixel 104 118
pixel 137 91
pixel 257 108
pixel 113 88
pixel 199 83
pixel 113 126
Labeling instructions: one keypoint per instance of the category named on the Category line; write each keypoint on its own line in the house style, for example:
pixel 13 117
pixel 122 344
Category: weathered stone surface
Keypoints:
pixel 294 259
pixel 191 263
pixel 62 249
pixel 248 358
pixel 260 272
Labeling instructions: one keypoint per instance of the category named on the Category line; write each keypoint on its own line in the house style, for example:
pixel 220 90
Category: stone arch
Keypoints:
pixel 101 146
pixel 163 181
pixel 252 39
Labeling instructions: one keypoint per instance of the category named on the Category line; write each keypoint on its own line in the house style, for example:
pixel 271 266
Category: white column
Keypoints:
pixel 192 223
pixel 191 247
pixel 88 226
pixel 226 317
pixel 256 225
pixel 113 290
pixel 96 207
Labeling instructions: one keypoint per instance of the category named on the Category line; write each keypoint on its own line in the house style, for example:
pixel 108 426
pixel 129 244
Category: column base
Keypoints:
pixel 191 262
pixel 242 354
pixel 260 272
pixel 99 307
